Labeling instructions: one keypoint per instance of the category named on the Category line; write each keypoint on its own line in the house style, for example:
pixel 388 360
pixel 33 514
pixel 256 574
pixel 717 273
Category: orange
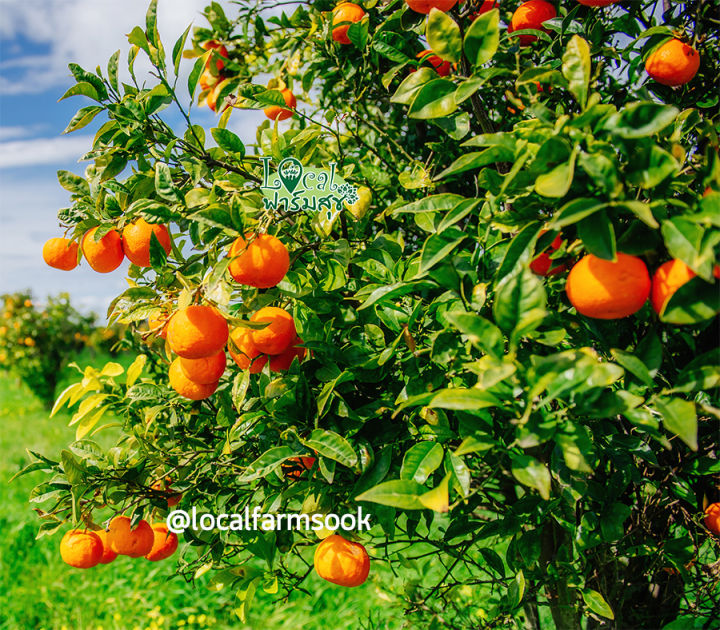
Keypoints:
pixel 262 263
pixel 173 497
pixel 487 5
pixel 60 253
pixel 247 356
pixel 531 14
pixel 712 518
pixel 197 331
pixel 707 191
pixel 345 12
pixel 441 66
pixel 296 467
pixel 108 554
pixel 424 6
pixel 127 541
pixel 136 241
pixel 104 255
pixel 604 289
pixel 219 49
pixel 187 388
pixel 674 63
pixel 206 370
pixel 278 335
pixel 158 323
pixel 212 98
pixel 275 112
pixel 282 362
pixel 208 79
pixel 165 543
pixel 668 278
pixel 81 549
pixel 542 265
pixel 341 561
pixel 598 3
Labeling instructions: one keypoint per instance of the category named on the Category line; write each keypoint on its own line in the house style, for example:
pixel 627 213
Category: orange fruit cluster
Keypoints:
pixel 277 342
pixel 173 498
pixel 197 334
pixel 107 253
pixel 344 15
pixel 341 561
pixel 542 265
pixel 84 549
pixel 275 112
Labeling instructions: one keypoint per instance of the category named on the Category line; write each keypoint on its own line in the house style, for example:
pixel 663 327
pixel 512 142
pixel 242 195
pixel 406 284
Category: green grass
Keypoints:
pixel 37 590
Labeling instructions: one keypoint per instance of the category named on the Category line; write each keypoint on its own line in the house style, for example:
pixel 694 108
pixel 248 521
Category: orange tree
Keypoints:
pixel 482 370
pixel 37 342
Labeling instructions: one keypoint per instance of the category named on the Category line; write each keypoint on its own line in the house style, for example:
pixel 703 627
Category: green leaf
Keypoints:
pixel 81 89
pixel 135 369
pixel 641 210
pixel 411 85
pixel 228 141
pixel 421 460
pixel 331 445
pixel 73 183
pixel 72 466
pixel 576 210
pixel 477 159
pixel 482 38
pixel 358 33
pixel 113 69
pixel 65 396
pixel 267 462
pixel 437 499
pixel 596 602
pixel 88 422
pixel 480 332
pixel 576 68
pixel 164 184
pixel 438 247
pixel 435 99
pixel 443 35
pixel 462 399
pixel 403 494
pixel 640 120
pixel 178 49
pixel 83 117
pixel 557 182
pixel 680 418
pixel 692 303
pixel 532 473
pixel 138 38
pixel 520 298
pixel 598 236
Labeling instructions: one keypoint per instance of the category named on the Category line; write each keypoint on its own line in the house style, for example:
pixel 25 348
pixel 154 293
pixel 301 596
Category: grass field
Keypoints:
pixel 37 590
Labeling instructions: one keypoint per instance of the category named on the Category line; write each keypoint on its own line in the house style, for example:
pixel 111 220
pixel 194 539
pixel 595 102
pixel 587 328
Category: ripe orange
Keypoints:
pixel 296 467
pixel 206 370
pixel 81 549
pixel 668 278
pixel 441 66
pixel 165 487
pixel 104 255
pixel 219 49
pixel 712 518
pixel 542 265
pixel 674 63
pixel 187 388
pixel 604 289
pixel 212 98
pixel 275 112
pixel 341 561
pixel 248 356
pixel 60 253
pixel 281 362
pixel 158 323
pixel 197 331
pixel 597 3
pixel 165 543
pixel 262 263
pixel 424 6
pixel 531 14
pixel 278 335
pixel 108 554
pixel 133 542
pixel 208 79
pixel 345 12
pixel 136 241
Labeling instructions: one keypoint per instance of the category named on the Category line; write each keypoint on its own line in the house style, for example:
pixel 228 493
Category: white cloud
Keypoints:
pixel 43 150
pixel 10 133
pixel 86 32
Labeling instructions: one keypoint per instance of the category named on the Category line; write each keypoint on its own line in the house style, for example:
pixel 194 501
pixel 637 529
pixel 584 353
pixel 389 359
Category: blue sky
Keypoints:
pixel 37 41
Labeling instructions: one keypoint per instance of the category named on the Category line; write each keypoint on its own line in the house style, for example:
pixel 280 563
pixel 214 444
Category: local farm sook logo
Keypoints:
pixel 299 188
